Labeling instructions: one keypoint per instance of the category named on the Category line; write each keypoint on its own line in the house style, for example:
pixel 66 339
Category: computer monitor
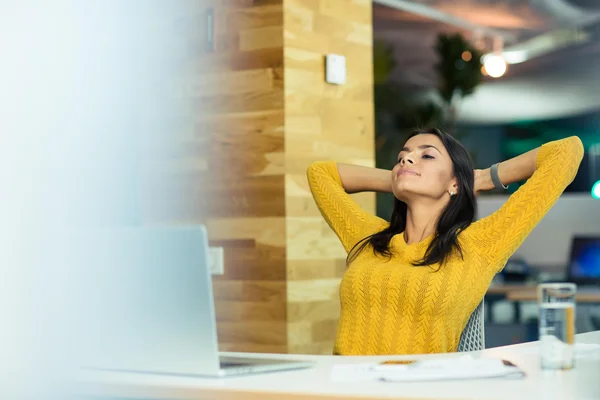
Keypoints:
pixel 584 263
pixel 146 299
pixel 147 304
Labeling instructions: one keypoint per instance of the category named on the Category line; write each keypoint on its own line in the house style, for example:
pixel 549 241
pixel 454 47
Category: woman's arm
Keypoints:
pixel 550 169
pixel 510 171
pixel 356 178
pixel 330 184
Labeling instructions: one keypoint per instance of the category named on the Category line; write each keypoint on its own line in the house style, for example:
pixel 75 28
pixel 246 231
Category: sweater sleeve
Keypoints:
pixel 499 235
pixel 347 219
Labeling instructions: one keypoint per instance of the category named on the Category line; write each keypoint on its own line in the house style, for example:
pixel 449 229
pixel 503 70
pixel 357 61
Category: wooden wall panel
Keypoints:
pixel 261 113
pixel 322 121
pixel 231 168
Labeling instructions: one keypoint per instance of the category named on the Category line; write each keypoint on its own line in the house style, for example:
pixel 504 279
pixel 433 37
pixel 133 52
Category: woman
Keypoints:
pixel 412 283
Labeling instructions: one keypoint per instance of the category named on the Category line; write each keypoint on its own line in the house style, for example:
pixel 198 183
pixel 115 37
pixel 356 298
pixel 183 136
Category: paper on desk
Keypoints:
pixel 354 373
pixel 580 350
pixel 587 350
pixel 449 369
pixel 464 367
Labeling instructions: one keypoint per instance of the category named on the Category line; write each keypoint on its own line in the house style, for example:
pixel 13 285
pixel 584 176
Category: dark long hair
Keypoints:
pixel 456 217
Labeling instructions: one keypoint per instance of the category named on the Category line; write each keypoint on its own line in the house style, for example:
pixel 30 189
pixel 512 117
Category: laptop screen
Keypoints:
pixel 585 259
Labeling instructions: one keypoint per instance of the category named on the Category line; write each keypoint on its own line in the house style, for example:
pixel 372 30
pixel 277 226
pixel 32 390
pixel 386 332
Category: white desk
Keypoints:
pixel 583 382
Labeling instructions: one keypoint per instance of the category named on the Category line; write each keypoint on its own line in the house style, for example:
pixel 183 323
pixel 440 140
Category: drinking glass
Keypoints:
pixel 557 324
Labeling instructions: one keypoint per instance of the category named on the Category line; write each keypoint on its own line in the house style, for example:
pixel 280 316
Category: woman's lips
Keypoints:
pixel 407 172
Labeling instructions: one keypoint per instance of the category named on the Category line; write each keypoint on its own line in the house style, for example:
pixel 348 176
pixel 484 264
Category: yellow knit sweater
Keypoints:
pixel 392 307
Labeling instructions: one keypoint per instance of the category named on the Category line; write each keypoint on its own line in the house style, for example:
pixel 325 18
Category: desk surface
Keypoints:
pixel 580 383
pixel 504 289
pixel 522 292
pixel 530 294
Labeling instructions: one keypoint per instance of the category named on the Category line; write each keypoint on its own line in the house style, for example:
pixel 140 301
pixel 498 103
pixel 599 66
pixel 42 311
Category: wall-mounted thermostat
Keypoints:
pixel 335 69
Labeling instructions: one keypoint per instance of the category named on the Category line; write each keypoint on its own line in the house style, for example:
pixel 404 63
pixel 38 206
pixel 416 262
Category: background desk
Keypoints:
pixel 500 292
pixel 518 293
pixel 583 382
pixel 530 294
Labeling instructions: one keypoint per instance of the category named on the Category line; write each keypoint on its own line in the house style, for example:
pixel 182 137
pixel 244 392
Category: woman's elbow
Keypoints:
pixel 577 149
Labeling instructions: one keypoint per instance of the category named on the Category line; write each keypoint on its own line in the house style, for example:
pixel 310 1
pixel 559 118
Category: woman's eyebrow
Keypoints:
pixel 422 147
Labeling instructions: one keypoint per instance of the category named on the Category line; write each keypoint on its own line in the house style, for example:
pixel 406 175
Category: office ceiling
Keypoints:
pixel 563 82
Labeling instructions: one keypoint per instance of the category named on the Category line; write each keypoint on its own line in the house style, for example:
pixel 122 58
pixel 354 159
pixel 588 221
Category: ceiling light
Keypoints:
pixel 515 56
pixel 495 65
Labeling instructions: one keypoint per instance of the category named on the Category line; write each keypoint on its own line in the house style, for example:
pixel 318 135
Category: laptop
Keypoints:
pixel 148 305
pixel 584 262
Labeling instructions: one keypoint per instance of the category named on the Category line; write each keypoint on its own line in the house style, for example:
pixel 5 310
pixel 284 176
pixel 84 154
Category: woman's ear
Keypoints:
pixel 453 185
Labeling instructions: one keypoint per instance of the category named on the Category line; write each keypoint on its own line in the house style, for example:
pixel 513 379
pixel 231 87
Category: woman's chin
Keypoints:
pixel 402 195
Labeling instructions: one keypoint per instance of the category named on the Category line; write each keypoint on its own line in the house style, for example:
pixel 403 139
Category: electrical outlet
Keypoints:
pixel 335 69
pixel 216 260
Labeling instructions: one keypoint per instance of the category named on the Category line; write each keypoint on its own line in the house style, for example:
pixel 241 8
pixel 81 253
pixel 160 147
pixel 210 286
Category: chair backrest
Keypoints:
pixel 473 336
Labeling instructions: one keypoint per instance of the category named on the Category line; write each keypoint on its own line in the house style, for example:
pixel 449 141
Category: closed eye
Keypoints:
pixel 427 156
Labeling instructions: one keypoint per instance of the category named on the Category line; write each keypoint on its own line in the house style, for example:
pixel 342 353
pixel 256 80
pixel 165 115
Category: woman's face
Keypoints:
pixel 424 170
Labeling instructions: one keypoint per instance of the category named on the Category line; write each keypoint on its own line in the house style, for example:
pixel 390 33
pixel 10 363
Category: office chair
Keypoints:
pixel 473 336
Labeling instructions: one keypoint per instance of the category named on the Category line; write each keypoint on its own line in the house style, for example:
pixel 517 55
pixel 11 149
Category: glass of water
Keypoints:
pixel 557 324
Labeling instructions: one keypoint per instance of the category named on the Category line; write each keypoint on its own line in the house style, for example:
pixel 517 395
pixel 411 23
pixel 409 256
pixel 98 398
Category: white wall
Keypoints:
pixel 549 243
